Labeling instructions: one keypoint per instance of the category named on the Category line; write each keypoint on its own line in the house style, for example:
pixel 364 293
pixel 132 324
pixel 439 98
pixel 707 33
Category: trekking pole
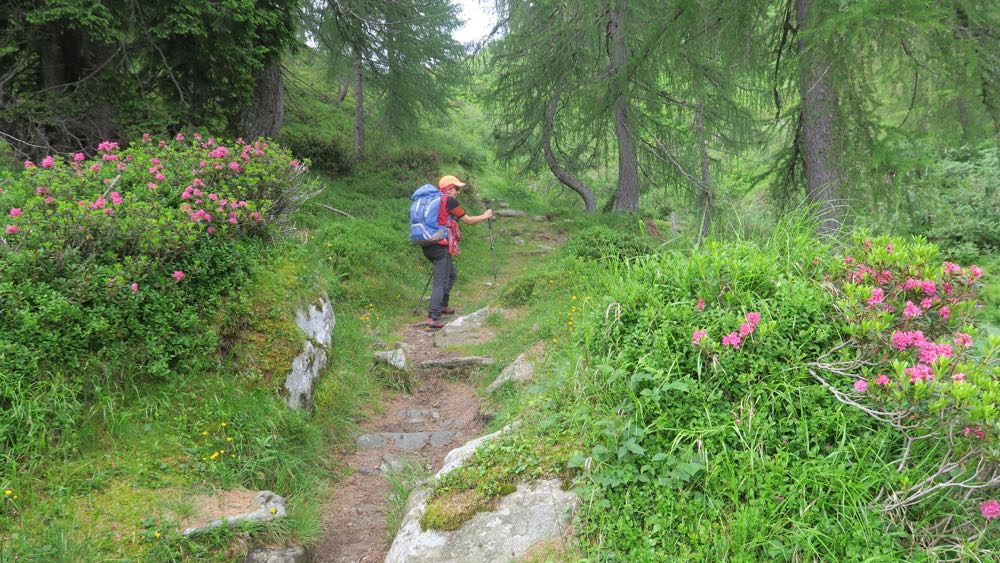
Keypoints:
pixel 493 251
pixel 416 306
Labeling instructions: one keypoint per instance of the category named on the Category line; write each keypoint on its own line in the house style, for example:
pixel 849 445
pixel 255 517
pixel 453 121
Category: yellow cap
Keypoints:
pixel 448 181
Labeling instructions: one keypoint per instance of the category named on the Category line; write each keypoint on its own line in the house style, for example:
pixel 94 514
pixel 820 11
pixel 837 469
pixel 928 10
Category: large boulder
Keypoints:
pixel 316 321
pixel 538 511
pixel 520 370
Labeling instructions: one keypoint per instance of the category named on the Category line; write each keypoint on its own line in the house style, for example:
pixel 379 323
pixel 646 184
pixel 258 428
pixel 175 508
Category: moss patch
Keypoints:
pixel 447 512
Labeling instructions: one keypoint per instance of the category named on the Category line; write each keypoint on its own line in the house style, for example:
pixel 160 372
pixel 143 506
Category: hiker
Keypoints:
pixel 440 254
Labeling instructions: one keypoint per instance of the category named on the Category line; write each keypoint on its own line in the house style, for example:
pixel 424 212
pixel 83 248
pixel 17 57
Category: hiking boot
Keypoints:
pixel 434 324
pixel 447 310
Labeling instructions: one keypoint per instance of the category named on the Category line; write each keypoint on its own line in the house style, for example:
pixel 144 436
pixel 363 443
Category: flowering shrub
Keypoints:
pixel 910 361
pixel 109 264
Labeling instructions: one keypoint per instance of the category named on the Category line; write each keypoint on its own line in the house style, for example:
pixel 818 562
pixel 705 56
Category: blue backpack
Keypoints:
pixel 425 213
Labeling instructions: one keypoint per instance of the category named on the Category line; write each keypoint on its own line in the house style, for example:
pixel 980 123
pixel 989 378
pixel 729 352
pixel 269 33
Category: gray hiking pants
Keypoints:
pixel 444 278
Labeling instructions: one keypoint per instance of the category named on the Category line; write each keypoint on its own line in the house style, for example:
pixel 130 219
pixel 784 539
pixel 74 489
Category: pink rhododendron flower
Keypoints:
pixel 930 352
pixel 109 157
pixel 745 330
pixel 911 311
pixel 975 272
pixel 107 146
pixel 882 379
pixel 867 244
pixel 150 186
pixel 698 336
pixel 41 190
pixel 911 283
pixel 962 339
pixel 11 229
pixel 234 166
pixel 732 339
pixel 116 198
pixel 48 162
pixel 929 287
pixel 901 340
pixel 78 157
pixel 218 152
pixel 753 319
pixel 28 164
pixel 861 386
pixel 990 509
pixel 98 203
pixel 920 372
pixel 889 248
pixel 15 212
pixel 294 163
pixel 50 199
pixel 177 275
pixel 883 277
pixel 958 377
pixel 120 166
pixel 134 287
pixel 945 312
pixel 95 167
pixel 926 303
pixel 109 211
pixel 179 137
pixel 160 177
pixel 257 216
pixel 701 305
pixel 210 230
pixel 153 169
pixel 951 268
pixel 877 296
pixel 232 219
pixel 155 161
pixel 145 137
pixel 197 136
pixel 848 260
pixel 948 288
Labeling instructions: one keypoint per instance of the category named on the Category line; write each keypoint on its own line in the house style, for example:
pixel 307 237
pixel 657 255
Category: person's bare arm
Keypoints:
pixel 473 219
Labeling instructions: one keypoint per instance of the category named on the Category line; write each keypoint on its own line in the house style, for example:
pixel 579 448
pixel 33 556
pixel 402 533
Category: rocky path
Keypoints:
pixel 441 413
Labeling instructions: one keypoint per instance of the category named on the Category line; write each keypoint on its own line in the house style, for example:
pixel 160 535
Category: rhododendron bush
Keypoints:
pixel 913 360
pixel 779 401
pixel 110 263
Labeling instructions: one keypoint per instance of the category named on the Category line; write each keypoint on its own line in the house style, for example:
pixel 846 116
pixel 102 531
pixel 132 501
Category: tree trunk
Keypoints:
pixel 706 193
pixel 819 106
pixel 569 180
pixel 359 107
pixel 627 194
pixel 264 117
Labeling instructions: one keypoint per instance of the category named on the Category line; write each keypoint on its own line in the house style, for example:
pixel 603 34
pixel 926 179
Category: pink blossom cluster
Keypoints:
pixel 735 339
pixel 698 336
pixel 990 509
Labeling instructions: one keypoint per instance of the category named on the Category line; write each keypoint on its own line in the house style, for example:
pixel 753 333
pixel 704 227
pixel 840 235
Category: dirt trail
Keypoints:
pixel 440 415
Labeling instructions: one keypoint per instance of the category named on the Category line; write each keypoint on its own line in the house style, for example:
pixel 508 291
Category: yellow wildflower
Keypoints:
pixel 223 424
pixel 229 438
pixel 573 297
pixel 8 492
pixel 274 510
pixel 204 432
pixel 156 535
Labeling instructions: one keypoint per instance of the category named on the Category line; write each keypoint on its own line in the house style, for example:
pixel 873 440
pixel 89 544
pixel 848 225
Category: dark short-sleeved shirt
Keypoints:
pixel 454 209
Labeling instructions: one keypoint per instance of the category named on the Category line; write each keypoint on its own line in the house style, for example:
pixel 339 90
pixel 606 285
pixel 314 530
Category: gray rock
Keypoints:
pixel 317 321
pixel 272 506
pixel 536 512
pixel 392 464
pixel 395 358
pixel 521 369
pixel 405 440
pixel 510 213
pixel 461 362
pixel 466 329
pixel 518 241
pixel 265 554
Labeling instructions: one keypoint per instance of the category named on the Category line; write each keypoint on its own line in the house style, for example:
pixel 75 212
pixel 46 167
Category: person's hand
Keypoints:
pixel 488 214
